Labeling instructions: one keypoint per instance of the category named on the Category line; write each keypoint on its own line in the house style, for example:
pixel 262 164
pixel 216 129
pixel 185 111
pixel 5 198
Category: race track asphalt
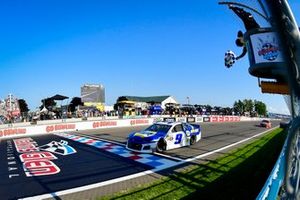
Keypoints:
pixel 95 161
pixel 88 165
pixel 214 136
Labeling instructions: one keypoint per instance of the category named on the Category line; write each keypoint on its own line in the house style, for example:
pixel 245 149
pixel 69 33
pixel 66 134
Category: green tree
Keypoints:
pixel 49 103
pixel 238 107
pixel 260 108
pixel 248 105
pixel 76 101
pixel 227 111
pixel 23 106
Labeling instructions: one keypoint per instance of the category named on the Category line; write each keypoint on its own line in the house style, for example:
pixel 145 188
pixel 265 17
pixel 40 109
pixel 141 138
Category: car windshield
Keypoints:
pixel 266 121
pixel 158 127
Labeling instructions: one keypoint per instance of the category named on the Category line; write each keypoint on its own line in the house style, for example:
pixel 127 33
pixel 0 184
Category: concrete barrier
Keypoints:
pixel 60 126
pixel 51 126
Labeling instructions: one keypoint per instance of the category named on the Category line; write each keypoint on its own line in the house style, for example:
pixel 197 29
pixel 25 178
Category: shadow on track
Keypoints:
pixel 230 177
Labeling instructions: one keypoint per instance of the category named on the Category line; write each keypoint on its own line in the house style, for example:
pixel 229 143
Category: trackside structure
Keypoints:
pixel 274 56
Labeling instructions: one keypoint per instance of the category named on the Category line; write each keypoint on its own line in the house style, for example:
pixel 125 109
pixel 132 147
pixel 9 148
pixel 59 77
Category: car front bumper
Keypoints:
pixel 141 148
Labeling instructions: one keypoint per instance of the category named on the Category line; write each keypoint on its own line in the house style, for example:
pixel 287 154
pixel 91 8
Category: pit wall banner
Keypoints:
pixel 181 119
pixel 199 119
pixel 18 131
pixel 225 118
pixel 65 127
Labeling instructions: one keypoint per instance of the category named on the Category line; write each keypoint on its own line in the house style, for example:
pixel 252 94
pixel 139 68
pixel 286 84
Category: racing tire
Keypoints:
pixel 161 146
pixel 193 140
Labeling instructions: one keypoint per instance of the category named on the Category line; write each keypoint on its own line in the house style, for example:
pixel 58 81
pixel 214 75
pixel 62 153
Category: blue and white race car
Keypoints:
pixel 163 136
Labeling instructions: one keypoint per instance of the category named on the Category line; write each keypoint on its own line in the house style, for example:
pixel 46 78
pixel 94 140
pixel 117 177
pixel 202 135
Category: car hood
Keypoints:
pixel 145 136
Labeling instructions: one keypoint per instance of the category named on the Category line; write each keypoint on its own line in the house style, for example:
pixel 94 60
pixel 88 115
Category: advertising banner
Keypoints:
pixel 191 119
pixel 199 119
pixel 12 132
pixel 266 47
pixel 224 119
pixel 169 119
pixel 181 119
pixel 206 119
pixel 159 119
pixel 134 122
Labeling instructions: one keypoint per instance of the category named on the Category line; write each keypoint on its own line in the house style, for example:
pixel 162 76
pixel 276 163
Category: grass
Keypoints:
pixel 239 174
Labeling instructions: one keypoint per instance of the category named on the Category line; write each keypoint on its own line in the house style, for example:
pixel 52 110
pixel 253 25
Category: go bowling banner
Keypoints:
pixel 266 47
pixel 224 119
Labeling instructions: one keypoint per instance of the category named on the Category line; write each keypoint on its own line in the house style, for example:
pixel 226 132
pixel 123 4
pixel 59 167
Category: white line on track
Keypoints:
pixel 132 176
pixel 98 138
pixel 167 156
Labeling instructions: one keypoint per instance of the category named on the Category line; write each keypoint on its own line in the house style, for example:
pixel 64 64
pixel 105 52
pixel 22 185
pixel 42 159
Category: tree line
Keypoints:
pixel 252 107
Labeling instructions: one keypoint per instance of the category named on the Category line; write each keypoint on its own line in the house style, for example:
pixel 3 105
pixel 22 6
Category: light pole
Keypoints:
pixel 188 100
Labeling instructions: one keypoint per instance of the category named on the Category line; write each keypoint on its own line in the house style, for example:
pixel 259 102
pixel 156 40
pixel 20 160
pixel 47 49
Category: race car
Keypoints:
pixel 266 123
pixel 162 136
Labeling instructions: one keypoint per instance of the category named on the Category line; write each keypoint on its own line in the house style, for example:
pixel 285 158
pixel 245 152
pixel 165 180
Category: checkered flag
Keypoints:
pixel 61 148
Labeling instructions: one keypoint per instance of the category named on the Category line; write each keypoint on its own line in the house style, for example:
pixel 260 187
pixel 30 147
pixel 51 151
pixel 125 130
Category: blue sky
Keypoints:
pixel 132 47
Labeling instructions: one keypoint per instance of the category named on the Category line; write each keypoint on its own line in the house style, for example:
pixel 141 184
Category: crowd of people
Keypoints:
pixel 93 112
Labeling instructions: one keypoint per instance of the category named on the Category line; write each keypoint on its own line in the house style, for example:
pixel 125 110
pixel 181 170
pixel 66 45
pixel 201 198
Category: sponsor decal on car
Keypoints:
pixel 139 135
pixel 169 138
pixel 194 130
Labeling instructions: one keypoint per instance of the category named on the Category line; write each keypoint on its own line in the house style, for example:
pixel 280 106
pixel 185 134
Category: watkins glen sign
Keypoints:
pixel 37 160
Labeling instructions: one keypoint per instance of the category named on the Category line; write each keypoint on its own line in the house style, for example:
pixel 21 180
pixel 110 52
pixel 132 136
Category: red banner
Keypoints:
pixel 104 124
pixel 139 121
pixel 60 127
pixel 12 131
pixel 224 119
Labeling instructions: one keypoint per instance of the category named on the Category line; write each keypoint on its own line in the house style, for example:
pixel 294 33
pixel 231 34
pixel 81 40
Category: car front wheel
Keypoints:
pixel 193 140
pixel 161 146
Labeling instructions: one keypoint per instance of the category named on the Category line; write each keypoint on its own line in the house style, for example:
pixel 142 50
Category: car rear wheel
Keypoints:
pixel 193 140
pixel 161 146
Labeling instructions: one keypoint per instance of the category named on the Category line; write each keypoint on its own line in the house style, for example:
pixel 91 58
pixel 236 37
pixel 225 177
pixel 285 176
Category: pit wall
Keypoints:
pixel 51 126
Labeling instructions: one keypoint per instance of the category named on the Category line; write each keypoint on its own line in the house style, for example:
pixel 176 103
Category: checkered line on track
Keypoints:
pixel 148 159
